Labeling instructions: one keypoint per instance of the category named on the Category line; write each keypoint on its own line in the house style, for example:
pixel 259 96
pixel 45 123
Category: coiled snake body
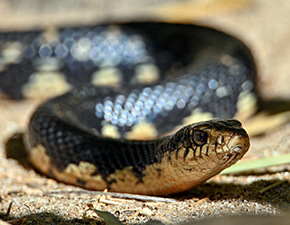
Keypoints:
pixel 146 80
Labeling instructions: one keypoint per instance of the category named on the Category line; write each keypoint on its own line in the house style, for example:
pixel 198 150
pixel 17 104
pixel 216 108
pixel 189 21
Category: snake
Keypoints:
pixel 140 107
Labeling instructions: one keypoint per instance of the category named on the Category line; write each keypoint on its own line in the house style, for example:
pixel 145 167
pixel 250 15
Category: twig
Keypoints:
pixel 116 195
pixel 271 186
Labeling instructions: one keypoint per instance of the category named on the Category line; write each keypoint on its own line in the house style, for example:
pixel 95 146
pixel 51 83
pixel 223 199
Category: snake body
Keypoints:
pixel 159 78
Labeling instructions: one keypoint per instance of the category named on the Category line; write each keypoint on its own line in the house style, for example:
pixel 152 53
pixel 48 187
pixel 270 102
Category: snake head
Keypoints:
pixel 202 150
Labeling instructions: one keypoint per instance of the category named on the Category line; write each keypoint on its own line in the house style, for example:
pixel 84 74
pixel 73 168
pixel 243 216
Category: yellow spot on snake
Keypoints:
pixel 50 34
pixel 40 159
pixel 111 131
pixel 97 178
pixel 109 77
pixel 84 168
pixel 12 52
pixel 71 174
pixel 142 131
pixel 124 174
pixel 197 116
pixel 45 84
pixel 246 105
pixel 227 60
pixel 126 180
pixel 51 64
pixel 147 74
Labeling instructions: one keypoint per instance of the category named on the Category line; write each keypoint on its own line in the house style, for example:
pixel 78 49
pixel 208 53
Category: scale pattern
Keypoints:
pixel 121 76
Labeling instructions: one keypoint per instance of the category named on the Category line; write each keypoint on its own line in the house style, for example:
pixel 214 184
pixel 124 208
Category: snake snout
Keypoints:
pixel 240 142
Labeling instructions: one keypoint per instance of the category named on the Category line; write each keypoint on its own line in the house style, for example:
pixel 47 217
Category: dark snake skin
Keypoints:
pixel 199 69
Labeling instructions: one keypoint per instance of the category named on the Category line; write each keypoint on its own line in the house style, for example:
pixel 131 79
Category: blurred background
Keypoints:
pixel 263 24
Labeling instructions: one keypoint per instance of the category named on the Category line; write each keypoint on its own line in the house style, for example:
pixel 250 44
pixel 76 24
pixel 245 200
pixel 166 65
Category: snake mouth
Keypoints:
pixel 237 149
pixel 239 144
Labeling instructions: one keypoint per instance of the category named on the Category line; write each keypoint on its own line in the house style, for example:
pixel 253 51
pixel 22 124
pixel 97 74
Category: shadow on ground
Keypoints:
pixel 47 218
pixel 50 218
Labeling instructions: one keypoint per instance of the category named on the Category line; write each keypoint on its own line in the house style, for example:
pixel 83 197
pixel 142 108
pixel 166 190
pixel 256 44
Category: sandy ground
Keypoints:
pixel 263 24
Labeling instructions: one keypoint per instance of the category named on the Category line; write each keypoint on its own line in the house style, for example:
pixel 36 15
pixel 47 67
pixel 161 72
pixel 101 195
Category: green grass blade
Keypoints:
pixel 258 163
pixel 108 217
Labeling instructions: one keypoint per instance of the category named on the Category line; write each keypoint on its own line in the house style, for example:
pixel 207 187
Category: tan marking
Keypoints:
pixel 142 131
pixel 124 174
pixel 227 60
pixel 111 131
pixel 91 182
pixel 109 77
pixel 40 159
pixel 12 52
pixel 97 178
pixel 71 174
pixel 197 115
pixel 49 64
pixel 147 73
pixel 246 105
pixel 50 34
pixel 45 84
pixel 153 181
pixel 84 168
pixel 84 171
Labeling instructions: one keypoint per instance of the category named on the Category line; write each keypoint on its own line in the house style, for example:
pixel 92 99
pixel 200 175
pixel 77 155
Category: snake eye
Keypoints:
pixel 199 137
